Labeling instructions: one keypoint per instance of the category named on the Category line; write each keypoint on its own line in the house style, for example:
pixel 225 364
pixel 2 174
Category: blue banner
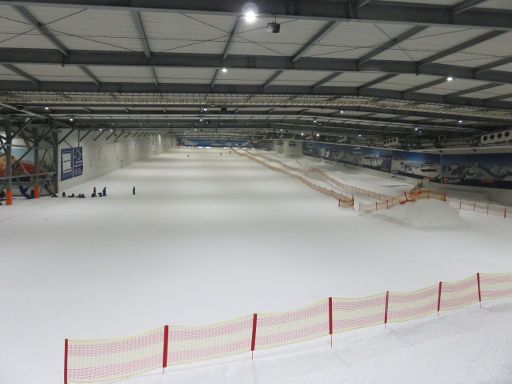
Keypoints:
pixel 66 163
pixel 78 162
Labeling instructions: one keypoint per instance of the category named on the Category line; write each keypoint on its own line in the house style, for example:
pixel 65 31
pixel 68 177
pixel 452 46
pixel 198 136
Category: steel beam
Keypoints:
pixel 139 26
pixel 376 11
pixel 121 59
pixel 24 12
pixel 246 89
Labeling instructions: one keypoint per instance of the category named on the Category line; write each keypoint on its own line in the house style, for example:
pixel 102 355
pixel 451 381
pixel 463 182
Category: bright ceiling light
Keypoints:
pixel 71 119
pixel 46 108
pixel 250 16
pixel 449 78
pixel 224 70
pixel 341 111
pixel 460 121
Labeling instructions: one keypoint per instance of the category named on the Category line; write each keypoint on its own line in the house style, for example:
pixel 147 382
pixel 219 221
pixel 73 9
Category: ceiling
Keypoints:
pixel 374 67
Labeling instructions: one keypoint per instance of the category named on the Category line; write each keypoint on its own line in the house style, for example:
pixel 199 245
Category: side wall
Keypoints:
pixel 104 156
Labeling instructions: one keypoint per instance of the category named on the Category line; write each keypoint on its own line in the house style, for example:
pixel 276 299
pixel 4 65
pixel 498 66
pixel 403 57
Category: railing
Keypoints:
pixel 90 361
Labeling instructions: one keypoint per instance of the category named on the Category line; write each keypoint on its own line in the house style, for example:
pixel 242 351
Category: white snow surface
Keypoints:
pixel 423 214
pixel 210 238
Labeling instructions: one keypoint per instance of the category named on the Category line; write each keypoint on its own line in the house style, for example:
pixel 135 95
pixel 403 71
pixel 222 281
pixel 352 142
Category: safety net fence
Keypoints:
pixel 91 361
pixel 499 211
pixel 296 173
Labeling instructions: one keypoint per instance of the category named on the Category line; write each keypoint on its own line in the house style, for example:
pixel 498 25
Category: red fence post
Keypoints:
pixel 386 311
pixel 479 291
pixel 439 297
pixel 66 362
pixel 166 347
pixel 330 318
pixel 253 341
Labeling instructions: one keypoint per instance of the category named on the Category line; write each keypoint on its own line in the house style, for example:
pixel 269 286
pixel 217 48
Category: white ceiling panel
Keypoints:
pixel 404 82
pixel 506 67
pixel 491 92
pixel 122 74
pixel 430 2
pixel 296 77
pixel 16 32
pixel 353 79
pixel 182 33
pixel 51 72
pixel 353 40
pixel 483 53
pixel 5 74
pixel 90 29
pixel 244 76
pixel 496 4
pixel 294 34
pixel 429 42
pixel 185 75
pixel 452 86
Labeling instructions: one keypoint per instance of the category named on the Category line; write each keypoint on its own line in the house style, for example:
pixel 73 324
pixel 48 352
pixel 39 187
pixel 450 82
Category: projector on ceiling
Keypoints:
pixel 273 27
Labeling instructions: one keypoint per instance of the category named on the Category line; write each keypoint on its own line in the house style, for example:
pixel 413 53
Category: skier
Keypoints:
pixel 188 155
pixel 104 191
pixel 93 191
pixel 133 190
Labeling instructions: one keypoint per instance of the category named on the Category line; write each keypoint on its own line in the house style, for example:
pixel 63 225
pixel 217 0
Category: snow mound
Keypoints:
pixel 423 214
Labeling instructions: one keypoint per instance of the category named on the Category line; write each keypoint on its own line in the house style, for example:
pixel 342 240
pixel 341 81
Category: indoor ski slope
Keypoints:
pixel 210 238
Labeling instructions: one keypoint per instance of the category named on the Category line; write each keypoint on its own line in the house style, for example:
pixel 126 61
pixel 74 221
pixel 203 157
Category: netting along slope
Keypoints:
pixel 89 361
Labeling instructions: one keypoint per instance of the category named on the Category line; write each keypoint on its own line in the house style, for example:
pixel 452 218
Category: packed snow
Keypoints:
pixel 423 214
pixel 209 238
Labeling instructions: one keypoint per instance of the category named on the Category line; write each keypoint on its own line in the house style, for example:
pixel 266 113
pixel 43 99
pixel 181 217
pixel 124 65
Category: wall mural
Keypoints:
pixel 480 170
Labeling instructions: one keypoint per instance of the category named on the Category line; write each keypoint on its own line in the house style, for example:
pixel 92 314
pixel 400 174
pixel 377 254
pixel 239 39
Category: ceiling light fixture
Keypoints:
pixel 224 70
pixel 250 16
pixel 449 78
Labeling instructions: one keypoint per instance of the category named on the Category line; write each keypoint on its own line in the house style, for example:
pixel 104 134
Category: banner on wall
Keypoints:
pixel 71 163
pixel 78 162
pixel 482 170
pixel 415 164
pixel 479 170
pixel 214 143
pixel 23 162
pixel 66 163
pixel 374 158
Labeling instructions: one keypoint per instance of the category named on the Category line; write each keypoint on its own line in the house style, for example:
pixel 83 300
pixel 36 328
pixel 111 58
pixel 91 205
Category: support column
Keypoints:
pixel 8 160
pixel 37 188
